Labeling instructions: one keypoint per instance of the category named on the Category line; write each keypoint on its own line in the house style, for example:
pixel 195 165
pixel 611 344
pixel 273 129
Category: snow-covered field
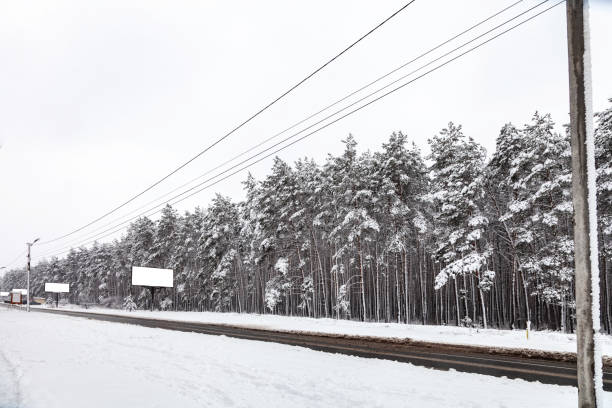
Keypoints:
pixel 59 361
pixel 541 340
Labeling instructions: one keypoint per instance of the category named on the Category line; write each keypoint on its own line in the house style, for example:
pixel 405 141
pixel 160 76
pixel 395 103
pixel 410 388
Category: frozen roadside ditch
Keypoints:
pixel 542 344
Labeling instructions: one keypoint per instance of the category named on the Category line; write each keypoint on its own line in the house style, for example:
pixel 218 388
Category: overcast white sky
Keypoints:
pixel 99 99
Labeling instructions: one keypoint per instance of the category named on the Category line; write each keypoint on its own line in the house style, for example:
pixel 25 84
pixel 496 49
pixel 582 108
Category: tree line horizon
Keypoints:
pixel 452 238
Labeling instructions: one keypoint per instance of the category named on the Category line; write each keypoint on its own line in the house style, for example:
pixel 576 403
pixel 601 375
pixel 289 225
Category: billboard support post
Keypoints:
pixel 152 296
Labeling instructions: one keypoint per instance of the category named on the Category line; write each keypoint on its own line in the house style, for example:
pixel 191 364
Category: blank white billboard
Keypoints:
pixel 57 287
pixel 160 278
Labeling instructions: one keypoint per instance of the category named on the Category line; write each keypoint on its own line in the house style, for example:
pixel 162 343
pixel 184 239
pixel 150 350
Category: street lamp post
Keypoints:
pixel 29 245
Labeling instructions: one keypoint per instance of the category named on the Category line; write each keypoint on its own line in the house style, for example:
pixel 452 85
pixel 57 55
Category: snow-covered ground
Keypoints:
pixel 541 340
pixel 59 361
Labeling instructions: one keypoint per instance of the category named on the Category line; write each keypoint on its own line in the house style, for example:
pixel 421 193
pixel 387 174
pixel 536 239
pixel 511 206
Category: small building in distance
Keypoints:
pixel 18 296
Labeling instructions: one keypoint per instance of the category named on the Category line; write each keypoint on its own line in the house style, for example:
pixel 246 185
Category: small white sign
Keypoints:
pixel 57 287
pixel 157 277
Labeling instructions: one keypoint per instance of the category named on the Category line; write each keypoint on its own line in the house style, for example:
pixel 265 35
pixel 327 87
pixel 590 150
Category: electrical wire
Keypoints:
pixel 349 113
pixel 323 110
pixel 320 121
pixel 226 135
pixel 22 253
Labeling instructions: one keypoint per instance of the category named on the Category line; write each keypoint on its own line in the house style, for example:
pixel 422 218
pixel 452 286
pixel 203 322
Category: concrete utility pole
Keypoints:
pixel 29 245
pixel 589 365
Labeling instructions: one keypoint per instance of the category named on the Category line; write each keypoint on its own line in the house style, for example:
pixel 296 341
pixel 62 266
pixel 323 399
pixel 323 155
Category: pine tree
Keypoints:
pixel 129 304
pixel 355 227
pixel 457 190
pixel 164 241
pixel 603 161
pixel 219 251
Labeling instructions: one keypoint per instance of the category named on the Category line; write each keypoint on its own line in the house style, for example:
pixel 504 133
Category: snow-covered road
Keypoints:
pixel 58 361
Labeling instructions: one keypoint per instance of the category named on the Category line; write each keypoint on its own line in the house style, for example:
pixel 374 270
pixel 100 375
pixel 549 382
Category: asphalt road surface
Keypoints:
pixel 432 355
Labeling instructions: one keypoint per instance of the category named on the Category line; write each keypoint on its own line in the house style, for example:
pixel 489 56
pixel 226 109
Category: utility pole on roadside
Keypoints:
pixel 589 363
pixel 29 245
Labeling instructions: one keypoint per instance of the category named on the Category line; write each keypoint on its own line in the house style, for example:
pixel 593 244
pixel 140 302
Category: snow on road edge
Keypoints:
pixel 546 344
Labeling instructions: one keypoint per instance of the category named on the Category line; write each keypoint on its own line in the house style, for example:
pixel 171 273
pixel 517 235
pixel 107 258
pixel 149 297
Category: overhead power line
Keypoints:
pixel 22 253
pixel 100 235
pixel 348 113
pixel 249 119
pixel 369 84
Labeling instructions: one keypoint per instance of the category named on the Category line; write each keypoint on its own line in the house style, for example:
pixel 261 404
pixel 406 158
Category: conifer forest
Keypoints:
pixel 454 237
